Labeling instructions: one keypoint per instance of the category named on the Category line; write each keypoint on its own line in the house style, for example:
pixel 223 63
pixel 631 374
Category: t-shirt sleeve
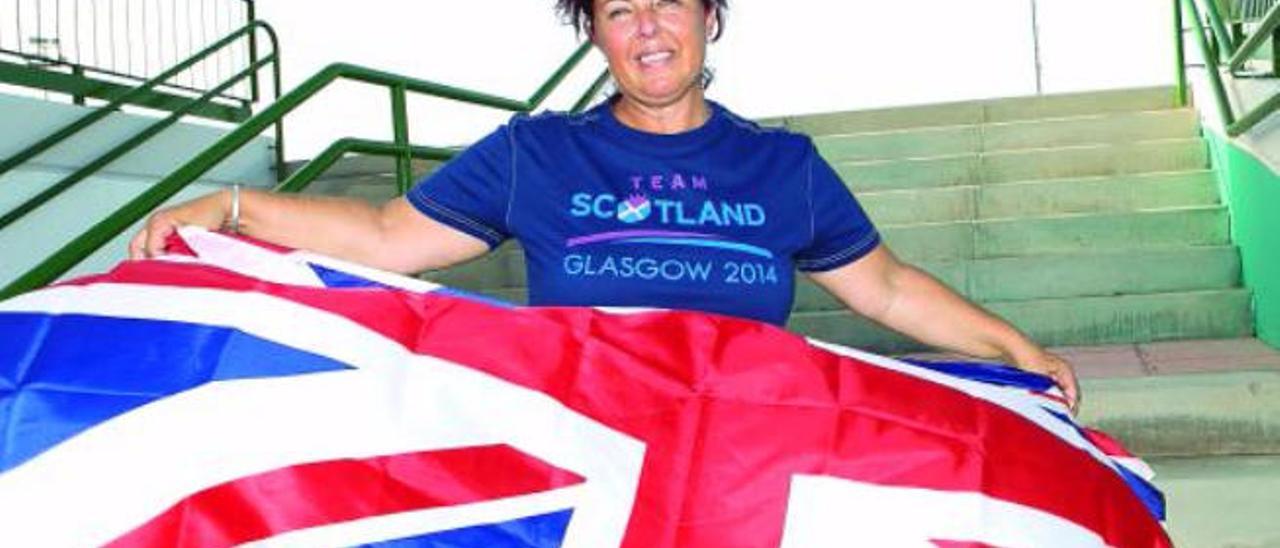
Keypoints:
pixel 841 231
pixel 472 191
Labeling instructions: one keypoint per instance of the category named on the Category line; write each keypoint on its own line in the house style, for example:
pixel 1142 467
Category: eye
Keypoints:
pixel 616 10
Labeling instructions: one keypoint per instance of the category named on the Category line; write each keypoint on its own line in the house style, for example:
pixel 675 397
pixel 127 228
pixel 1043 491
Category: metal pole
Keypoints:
pixel 1222 38
pixel 276 82
pixel 1275 53
pixel 400 124
pixel 1179 54
pixel 78 71
pixel 250 17
pixel 1035 39
pixel 1211 67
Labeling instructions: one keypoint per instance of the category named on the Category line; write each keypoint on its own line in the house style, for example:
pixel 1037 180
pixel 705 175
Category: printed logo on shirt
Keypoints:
pixel 673 215
pixel 635 209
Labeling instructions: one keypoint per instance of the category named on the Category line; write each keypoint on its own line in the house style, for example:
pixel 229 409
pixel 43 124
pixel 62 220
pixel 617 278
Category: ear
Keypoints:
pixel 709 20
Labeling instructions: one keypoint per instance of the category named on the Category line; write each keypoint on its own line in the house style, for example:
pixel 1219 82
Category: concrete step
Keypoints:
pixel 981 112
pixel 360 165
pixel 977 138
pixel 1221 502
pixel 1041 198
pixel 1085 274
pixel 1026 165
pixel 1201 226
pixel 34 237
pixel 1072 321
pixel 1184 398
pixel 369 178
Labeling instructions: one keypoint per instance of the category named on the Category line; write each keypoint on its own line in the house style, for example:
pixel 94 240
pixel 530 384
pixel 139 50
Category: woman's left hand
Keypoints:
pixel 1045 363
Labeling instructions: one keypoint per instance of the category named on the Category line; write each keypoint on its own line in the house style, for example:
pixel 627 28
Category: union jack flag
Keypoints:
pixel 234 393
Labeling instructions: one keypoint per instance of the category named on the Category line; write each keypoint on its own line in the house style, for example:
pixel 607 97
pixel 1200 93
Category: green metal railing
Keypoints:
pixel 399 86
pixel 1218 48
pixel 93 49
pixel 49 141
pixel 115 153
pixel 97 41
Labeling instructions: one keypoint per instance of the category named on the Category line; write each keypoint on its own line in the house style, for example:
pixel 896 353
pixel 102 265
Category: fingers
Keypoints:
pixel 1057 369
pixel 150 241
pixel 1065 376
pixel 157 233
pixel 137 246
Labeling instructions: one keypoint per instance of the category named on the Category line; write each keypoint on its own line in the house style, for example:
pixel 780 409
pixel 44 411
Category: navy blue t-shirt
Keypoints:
pixel 715 219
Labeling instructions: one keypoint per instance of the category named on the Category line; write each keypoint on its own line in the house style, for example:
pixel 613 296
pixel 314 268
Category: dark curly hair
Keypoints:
pixel 579 14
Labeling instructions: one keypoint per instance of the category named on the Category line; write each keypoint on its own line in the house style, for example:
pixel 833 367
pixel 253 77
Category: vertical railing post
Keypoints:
pixel 275 77
pixel 250 17
pixel 1275 53
pixel 78 71
pixel 1211 67
pixel 1225 47
pixel 1180 53
pixel 1035 42
pixel 400 124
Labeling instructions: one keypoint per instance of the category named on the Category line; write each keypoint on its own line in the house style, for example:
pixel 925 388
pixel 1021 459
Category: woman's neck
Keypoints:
pixel 678 117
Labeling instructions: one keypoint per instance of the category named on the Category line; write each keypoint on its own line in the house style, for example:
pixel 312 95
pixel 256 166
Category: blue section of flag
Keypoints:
pixel 337 278
pixel 62 374
pixel 544 531
pixel 990 373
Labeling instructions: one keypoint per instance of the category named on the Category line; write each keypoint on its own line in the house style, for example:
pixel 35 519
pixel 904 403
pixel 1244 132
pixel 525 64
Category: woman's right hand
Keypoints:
pixel 209 211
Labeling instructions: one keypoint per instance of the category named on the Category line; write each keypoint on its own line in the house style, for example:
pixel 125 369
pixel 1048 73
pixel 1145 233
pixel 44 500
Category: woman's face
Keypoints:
pixel 655 48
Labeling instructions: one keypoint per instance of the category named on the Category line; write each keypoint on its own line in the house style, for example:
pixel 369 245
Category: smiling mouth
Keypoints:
pixel 655 58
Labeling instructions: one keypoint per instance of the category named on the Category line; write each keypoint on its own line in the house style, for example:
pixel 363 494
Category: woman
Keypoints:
pixel 657 198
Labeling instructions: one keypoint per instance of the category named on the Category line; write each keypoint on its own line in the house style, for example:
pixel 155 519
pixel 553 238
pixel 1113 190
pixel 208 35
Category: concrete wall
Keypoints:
pixel 27 119
pixel 1248 168
pixel 1252 191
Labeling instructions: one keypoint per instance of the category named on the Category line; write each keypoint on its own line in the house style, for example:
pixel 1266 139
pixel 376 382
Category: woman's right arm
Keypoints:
pixel 393 237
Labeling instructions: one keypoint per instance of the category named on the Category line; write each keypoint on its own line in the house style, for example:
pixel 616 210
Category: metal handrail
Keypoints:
pixel 585 101
pixel 87 170
pixel 105 230
pixel 1226 43
pixel 1234 126
pixel 49 141
pixel 1255 41
pixel 301 179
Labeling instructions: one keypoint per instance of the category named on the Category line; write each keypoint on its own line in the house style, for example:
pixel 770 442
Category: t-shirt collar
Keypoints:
pixel 715 124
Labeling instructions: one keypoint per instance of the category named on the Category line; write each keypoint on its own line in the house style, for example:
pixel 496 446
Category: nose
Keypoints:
pixel 646 22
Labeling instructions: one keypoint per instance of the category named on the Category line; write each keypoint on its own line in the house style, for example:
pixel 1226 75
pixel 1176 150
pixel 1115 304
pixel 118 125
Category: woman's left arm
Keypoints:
pixel 909 301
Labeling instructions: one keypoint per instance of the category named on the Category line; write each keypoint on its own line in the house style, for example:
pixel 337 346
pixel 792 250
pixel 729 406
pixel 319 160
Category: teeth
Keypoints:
pixel 656 57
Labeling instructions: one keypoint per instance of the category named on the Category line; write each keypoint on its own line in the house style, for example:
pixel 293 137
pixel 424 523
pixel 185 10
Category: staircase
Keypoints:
pixel 1084 219
pixel 37 235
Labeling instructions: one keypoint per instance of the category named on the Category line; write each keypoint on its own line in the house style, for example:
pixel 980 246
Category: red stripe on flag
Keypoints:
pixel 309 495
pixel 730 410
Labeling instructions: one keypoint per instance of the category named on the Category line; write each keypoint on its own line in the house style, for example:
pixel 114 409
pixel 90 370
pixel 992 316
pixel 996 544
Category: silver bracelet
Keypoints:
pixel 235 209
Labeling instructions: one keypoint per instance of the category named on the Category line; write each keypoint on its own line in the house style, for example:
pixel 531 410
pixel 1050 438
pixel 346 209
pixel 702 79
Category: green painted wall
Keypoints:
pixel 1252 191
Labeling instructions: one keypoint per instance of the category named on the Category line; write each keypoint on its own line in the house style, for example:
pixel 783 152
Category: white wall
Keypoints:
pixel 777 57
